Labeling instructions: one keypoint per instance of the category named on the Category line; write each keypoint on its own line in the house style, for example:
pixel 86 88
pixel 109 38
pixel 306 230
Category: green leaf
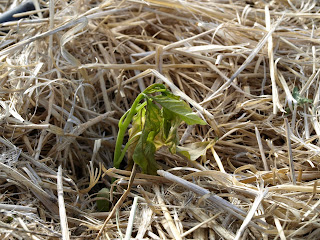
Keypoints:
pixel 145 149
pixel 194 150
pixel 298 98
pixel 295 94
pixel 103 205
pixel 179 107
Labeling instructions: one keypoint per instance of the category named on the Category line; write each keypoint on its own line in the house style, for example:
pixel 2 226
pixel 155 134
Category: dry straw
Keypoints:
pixel 250 68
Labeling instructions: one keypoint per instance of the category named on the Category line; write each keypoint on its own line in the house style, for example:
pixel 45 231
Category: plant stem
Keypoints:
pixel 122 130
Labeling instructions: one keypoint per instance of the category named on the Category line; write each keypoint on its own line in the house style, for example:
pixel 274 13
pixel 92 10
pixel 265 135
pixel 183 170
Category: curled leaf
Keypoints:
pixel 144 152
pixel 138 122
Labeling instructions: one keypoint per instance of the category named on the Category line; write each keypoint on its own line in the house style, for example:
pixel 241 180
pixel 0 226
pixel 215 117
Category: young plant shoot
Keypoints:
pixel 155 115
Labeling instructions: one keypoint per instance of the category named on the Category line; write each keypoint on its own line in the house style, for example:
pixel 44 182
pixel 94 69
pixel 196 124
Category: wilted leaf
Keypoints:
pixel 170 124
pixel 194 150
pixel 137 126
pixel 145 149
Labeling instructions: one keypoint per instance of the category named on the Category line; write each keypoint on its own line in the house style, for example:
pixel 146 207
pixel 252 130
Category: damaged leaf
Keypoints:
pixel 195 150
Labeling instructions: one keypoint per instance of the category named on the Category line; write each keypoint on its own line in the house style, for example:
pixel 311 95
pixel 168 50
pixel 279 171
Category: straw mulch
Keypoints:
pixel 250 68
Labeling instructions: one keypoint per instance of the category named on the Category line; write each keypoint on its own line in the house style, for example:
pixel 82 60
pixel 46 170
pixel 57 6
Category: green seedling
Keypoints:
pixel 156 115
pixel 299 100
pixel 103 204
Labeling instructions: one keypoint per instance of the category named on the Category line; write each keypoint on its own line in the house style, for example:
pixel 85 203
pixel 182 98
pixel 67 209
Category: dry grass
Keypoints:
pixel 71 72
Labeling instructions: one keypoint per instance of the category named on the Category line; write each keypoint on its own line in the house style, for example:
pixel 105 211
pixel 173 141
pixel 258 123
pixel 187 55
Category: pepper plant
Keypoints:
pixel 156 115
